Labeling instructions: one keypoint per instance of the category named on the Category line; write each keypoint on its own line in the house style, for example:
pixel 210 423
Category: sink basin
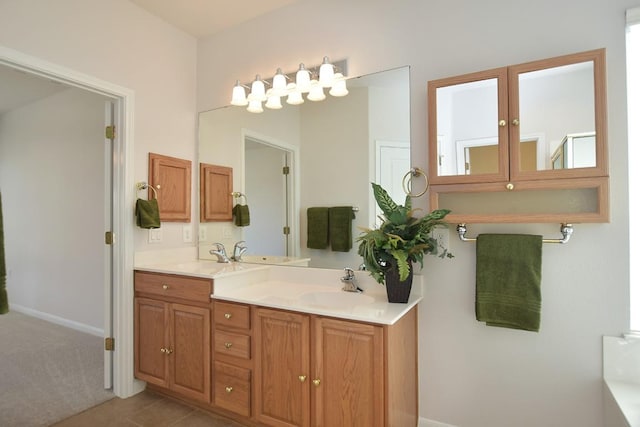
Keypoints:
pixel 335 300
pixel 275 260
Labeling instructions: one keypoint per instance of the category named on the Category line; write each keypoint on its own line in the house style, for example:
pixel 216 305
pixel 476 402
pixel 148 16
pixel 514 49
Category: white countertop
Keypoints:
pixel 303 289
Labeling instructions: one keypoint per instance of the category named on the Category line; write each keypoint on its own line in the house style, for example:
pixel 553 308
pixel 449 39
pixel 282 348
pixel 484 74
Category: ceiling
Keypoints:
pixel 200 18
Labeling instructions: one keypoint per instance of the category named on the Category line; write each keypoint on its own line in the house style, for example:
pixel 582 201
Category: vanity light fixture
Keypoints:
pixel 304 81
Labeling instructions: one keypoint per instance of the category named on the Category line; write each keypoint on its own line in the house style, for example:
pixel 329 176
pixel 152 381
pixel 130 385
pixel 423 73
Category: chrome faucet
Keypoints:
pixel 349 280
pixel 238 249
pixel 219 252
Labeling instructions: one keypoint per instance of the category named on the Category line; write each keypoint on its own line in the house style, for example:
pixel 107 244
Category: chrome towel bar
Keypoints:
pixel 565 229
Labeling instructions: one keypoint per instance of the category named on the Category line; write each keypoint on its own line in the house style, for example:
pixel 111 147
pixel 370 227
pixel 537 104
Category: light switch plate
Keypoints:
pixel 155 235
pixel 187 234
pixel 202 234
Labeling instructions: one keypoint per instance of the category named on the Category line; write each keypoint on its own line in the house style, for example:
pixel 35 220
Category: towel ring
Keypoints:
pixel 143 186
pixel 237 194
pixel 406 182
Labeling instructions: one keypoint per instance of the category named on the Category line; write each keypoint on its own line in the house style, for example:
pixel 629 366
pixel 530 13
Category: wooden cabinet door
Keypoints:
pixel 349 364
pixel 171 177
pixel 151 339
pixel 282 368
pixel 216 186
pixel 190 358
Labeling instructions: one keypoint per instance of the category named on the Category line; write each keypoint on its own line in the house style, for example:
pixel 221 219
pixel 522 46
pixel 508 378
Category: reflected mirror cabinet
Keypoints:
pixel 522 143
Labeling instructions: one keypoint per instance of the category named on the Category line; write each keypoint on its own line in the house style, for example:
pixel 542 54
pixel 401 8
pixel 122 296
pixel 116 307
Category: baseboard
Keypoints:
pixel 423 422
pixel 58 320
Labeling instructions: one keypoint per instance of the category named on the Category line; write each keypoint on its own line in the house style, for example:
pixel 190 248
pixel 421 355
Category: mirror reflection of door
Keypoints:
pixel 482 159
pixel 393 160
pixel 268 190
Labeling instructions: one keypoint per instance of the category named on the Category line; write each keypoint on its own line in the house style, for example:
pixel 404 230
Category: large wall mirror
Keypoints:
pixel 528 121
pixel 330 151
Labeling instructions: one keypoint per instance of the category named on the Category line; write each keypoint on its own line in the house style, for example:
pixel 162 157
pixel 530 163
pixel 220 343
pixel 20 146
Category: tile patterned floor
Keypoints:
pixel 146 409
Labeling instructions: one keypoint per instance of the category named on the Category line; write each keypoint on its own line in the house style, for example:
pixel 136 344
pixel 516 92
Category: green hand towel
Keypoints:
pixel 340 218
pixel 317 228
pixel 4 298
pixel 147 213
pixel 508 271
pixel 241 215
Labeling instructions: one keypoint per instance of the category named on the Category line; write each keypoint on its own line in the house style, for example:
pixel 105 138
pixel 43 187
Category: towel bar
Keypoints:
pixel 143 186
pixel 565 229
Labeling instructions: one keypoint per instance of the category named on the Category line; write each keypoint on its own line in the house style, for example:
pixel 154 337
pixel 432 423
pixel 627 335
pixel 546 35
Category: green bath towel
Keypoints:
pixel 241 217
pixel 147 213
pixel 508 272
pixel 317 228
pixel 340 218
pixel 4 298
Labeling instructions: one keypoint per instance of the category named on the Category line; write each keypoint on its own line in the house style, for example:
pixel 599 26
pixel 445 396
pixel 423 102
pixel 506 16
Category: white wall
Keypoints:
pixel 52 172
pixel 472 375
pixel 116 41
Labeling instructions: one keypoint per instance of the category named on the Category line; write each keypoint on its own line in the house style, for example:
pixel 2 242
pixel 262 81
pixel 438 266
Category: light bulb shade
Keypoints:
pixel 273 100
pixel 303 79
pixel 316 93
pixel 255 106
pixel 279 83
pixel 325 76
pixel 339 87
pixel 257 91
pixel 295 98
pixel 239 96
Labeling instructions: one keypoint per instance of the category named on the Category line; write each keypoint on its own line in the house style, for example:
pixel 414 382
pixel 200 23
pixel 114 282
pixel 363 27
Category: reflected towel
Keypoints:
pixel 317 228
pixel 340 218
pixel 241 215
pixel 4 298
pixel 508 272
pixel 147 213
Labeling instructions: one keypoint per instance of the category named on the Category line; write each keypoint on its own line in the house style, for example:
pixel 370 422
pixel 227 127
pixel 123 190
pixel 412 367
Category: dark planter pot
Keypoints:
pixel 398 290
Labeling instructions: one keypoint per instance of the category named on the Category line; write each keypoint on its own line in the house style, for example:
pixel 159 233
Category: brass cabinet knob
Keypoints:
pixel 228 389
pixel 227 315
pixel 302 378
pixel 502 123
pixel 163 350
pixel 169 350
pixel 510 186
pixel 165 286
pixel 228 344
pixel 316 382
pixel 515 122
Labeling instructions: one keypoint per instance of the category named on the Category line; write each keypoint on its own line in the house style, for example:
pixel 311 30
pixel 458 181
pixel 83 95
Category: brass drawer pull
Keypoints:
pixel 169 350
pixel 228 344
pixel 302 378
pixel 316 382
pixel 227 315
pixel 165 286
pixel 228 389
pixel 163 350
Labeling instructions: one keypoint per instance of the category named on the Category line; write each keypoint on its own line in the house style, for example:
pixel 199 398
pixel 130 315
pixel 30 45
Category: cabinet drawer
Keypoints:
pixel 232 388
pixel 172 286
pixel 232 315
pixel 231 344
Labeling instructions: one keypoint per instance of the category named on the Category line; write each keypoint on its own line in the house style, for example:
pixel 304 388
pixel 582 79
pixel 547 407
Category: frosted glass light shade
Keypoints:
pixel 303 79
pixel 295 97
pixel 255 107
pixel 339 87
pixel 239 96
pixel 279 83
pixel 273 100
pixel 325 76
pixel 316 93
pixel 257 90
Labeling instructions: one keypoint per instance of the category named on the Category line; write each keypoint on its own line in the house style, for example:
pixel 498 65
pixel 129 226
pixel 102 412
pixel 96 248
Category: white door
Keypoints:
pixel 393 161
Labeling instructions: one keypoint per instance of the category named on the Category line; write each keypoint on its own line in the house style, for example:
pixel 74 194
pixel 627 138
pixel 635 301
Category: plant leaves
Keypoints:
pixel 383 199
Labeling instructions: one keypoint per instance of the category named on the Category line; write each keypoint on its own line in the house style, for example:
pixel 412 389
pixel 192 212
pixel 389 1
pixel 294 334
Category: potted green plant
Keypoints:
pixel 390 250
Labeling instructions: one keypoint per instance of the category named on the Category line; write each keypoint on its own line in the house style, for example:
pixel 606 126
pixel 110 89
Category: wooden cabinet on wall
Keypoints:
pixel 318 371
pixel 216 186
pixel 172 333
pixel 496 133
pixel 171 177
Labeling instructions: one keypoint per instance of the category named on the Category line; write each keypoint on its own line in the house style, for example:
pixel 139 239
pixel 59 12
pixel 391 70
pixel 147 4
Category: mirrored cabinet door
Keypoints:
pixel 468 128
pixel 558 114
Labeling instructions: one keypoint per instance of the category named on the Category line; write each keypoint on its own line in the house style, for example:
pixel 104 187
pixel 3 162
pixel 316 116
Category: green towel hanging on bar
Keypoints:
pixel 340 234
pixel 241 217
pixel 4 298
pixel 147 213
pixel 317 228
pixel 508 274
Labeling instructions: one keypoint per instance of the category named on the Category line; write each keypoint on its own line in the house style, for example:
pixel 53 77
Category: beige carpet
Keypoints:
pixel 47 372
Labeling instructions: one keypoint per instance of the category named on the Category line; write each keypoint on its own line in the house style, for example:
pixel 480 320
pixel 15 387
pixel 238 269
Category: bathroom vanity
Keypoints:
pixel 277 346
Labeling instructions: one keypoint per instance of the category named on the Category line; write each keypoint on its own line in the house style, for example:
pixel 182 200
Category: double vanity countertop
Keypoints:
pixel 303 289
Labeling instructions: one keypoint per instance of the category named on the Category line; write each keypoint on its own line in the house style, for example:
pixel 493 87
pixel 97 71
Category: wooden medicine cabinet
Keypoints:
pixel 216 186
pixel 537 128
pixel 171 177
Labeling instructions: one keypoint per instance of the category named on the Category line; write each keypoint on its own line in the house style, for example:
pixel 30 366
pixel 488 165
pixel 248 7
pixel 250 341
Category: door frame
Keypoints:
pixel 123 198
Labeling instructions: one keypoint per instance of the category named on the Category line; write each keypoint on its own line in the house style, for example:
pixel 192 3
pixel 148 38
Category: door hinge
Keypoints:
pixel 286 230
pixel 285 170
pixel 110 344
pixel 109 237
pixel 110 132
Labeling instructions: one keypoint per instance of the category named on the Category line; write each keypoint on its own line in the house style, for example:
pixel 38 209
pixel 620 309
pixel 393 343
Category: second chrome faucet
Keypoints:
pixel 221 254
pixel 349 280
